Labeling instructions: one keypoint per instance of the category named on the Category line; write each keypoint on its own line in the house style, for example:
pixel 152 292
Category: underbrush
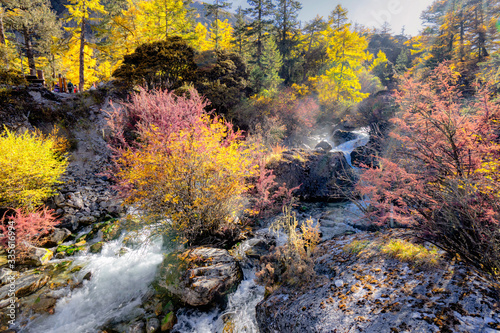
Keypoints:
pixel 292 263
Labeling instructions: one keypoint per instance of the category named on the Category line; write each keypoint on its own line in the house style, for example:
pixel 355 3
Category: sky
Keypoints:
pixel 370 13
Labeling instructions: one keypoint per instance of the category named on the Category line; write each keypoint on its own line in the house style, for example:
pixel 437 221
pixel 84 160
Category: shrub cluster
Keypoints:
pixel 441 175
pixel 184 169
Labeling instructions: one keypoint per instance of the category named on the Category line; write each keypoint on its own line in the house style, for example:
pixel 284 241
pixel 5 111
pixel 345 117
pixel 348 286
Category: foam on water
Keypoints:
pixel 114 291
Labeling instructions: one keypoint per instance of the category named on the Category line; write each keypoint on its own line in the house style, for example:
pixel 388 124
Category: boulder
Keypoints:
pixel 199 276
pixel 25 285
pixel 340 136
pixel 324 146
pixel 152 325
pixel 57 237
pixel 137 327
pixel 321 175
pixel 38 256
pixel 168 321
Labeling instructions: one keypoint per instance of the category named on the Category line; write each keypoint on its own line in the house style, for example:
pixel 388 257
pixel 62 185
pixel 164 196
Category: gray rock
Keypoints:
pixel 322 176
pixel 137 327
pixel 324 146
pixel 339 283
pixel 199 276
pixel 152 325
pixel 57 237
pixel 25 285
pixel 86 220
pixel 38 256
pixel 340 136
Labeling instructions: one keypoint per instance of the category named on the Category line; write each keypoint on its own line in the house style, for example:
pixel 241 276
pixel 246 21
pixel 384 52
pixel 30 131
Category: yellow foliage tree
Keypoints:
pixel 71 63
pixel 30 165
pixel 346 56
pixel 224 35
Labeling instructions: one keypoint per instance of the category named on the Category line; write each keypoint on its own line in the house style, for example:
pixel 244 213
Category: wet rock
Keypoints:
pixel 324 146
pixel 57 237
pixel 199 276
pixel 340 136
pixel 322 176
pixel 137 327
pixel 152 325
pixel 38 256
pixel 25 285
pixel 44 304
pixel 96 248
pixel 168 321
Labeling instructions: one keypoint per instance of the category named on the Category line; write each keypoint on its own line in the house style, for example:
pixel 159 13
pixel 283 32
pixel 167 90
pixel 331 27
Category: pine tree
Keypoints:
pixel 36 22
pixel 260 12
pixel 239 33
pixel 287 26
pixel 272 61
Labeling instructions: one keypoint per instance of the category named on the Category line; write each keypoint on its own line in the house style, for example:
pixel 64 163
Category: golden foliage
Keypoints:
pixel 30 165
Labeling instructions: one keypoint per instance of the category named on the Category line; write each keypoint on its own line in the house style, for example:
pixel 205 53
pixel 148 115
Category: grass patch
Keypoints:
pixel 415 255
pixel 356 247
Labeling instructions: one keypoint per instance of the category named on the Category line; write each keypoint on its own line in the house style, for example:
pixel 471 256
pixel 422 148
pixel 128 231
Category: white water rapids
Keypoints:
pixel 362 138
pixel 114 291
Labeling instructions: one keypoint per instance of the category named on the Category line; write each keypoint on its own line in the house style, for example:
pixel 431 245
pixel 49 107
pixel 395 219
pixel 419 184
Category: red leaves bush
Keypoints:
pixel 440 174
pixel 26 228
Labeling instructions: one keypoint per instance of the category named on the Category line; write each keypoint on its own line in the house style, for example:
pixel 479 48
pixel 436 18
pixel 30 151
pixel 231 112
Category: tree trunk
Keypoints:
pixel 82 55
pixel 29 50
pixel 2 33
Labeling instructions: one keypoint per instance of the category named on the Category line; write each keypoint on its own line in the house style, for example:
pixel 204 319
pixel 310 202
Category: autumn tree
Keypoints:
pixel 166 18
pixel 31 165
pixel 217 11
pixel 82 12
pixel 187 172
pixel 346 51
pixel 36 22
pixel 315 50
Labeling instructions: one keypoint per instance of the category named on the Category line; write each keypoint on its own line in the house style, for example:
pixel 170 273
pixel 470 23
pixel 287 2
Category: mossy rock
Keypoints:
pixel 69 249
pixel 96 248
pixel 168 321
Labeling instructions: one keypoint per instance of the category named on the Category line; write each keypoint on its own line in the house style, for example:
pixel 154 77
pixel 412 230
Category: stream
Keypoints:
pixel 121 279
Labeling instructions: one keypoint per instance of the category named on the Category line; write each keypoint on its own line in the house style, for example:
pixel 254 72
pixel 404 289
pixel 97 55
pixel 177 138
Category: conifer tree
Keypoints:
pixel 82 12
pixel 260 12
pixel 272 61
pixel 239 32
pixel 216 11
pixel 36 22
pixel 287 26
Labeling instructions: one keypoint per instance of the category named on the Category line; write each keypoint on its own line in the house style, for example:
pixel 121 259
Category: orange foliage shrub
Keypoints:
pixel 187 171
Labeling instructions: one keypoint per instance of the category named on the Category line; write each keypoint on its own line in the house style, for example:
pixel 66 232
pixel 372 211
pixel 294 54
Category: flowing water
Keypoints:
pixel 120 280
pixel 362 138
pixel 115 290
pixel 240 311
